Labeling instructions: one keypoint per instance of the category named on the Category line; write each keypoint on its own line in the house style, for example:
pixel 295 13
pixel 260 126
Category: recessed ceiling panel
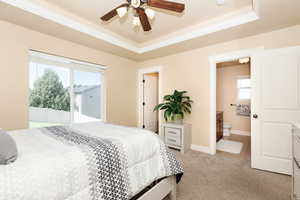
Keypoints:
pixel 165 22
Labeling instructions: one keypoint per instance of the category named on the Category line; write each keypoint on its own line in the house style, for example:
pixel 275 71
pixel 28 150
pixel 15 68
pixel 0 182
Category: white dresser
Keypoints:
pixel 296 162
pixel 177 136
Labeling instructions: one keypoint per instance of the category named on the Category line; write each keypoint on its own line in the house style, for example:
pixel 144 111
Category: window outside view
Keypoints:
pixel 244 88
pixel 50 96
pixel 87 96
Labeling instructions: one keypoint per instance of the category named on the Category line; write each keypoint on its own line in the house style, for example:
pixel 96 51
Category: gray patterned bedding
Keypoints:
pixel 91 161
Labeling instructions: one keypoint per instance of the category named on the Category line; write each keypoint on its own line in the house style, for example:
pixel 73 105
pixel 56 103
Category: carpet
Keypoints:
pixel 227 176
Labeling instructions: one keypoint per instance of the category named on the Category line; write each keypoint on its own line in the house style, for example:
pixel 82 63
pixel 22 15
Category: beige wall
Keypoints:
pixel 184 71
pixel 191 71
pixel 227 94
pixel 15 42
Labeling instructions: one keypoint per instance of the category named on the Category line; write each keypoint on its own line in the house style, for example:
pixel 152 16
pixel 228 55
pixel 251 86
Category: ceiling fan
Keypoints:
pixel 142 11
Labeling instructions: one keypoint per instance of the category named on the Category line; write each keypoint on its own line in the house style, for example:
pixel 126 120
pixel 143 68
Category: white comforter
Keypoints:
pixel 47 169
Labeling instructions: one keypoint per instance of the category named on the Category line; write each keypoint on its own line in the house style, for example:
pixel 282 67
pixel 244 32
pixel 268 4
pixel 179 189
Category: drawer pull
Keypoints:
pixel 296 197
pixel 297 163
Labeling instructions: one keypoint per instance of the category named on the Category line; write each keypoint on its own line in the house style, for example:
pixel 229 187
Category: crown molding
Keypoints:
pixel 230 20
pixel 69 22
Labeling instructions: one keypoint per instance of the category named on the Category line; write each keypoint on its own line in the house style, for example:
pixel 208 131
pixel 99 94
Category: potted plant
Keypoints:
pixel 175 106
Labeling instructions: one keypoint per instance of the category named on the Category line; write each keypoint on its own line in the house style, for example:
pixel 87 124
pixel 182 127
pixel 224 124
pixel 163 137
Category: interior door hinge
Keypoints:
pixel 144 126
pixel 144 81
pixel 144 103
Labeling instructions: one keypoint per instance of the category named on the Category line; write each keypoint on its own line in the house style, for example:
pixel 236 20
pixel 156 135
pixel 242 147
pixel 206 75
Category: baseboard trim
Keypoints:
pixel 202 149
pixel 238 132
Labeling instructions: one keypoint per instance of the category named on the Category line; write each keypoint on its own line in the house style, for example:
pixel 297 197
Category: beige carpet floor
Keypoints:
pixel 228 176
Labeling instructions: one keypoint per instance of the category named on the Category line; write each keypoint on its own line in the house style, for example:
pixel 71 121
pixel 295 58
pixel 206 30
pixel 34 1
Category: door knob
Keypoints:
pixel 255 116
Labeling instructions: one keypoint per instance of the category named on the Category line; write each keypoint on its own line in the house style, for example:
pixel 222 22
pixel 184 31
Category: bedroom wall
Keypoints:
pixel 227 94
pixel 15 42
pixel 190 71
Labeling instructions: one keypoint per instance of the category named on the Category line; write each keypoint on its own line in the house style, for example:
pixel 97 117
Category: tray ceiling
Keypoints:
pixel 197 11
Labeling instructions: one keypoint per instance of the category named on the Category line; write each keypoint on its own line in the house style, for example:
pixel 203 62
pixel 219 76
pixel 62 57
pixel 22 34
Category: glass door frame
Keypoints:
pixel 103 89
pixel 71 65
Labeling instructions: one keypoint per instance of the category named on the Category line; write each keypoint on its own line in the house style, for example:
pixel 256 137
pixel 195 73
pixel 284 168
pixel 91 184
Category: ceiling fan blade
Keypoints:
pixel 113 12
pixel 144 19
pixel 176 7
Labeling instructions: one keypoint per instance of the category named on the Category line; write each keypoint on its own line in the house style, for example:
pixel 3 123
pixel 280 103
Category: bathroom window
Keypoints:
pixel 244 88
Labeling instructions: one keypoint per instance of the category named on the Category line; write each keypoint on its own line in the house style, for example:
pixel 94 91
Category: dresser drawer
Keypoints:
pixel 296 131
pixel 296 146
pixel 296 180
pixel 177 136
pixel 173 141
pixel 173 132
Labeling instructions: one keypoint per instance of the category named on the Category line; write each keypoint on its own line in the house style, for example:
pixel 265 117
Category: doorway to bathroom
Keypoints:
pixel 274 104
pixel 233 106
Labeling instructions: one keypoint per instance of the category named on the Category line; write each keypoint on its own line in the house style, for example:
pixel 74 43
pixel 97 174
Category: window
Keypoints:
pixel 244 88
pixel 87 96
pixel 64 91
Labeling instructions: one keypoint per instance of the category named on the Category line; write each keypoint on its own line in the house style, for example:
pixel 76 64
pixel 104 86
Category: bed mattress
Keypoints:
pixel 91 161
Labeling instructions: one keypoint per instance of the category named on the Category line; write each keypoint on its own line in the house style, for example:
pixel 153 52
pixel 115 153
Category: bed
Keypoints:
pixel 90 161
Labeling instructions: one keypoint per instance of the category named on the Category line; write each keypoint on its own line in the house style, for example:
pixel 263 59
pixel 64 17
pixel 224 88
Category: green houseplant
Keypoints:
pixel 175 106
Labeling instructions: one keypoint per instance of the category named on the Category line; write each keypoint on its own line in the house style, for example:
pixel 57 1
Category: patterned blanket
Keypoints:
pixel 107 162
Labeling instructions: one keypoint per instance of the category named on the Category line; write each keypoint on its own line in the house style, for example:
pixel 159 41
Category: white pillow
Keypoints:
pixel 8 148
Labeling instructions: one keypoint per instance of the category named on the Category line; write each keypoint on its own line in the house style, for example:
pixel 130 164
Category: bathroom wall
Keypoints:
pixel 227 94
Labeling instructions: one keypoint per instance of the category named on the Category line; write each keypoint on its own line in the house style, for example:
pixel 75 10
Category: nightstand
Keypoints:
pixel 177 136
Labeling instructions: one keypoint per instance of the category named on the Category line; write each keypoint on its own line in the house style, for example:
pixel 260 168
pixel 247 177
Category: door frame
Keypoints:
pixel 141 73
pixel 213 60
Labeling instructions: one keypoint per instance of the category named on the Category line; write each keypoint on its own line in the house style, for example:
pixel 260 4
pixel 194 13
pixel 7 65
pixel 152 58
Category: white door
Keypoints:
pixel 275 106
pixel 150 119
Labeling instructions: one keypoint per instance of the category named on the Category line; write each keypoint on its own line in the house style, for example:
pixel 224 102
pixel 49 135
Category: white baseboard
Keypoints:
pixel 202 149
pixel 238 132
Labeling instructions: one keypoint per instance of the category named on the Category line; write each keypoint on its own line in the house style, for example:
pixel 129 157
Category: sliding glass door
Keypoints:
pixel 62 92
pixel 87 96
pixel 49 95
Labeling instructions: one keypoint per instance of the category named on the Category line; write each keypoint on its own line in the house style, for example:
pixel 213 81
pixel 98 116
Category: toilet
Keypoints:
pixel 227 129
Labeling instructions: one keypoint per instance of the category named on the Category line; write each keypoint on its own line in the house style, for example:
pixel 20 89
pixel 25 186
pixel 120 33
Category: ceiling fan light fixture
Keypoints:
pixel 142 11
pixel 220 2
pixel 150 13
pixel 136 21
pixel 244 60
pixel 135 3
pixel 122 11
